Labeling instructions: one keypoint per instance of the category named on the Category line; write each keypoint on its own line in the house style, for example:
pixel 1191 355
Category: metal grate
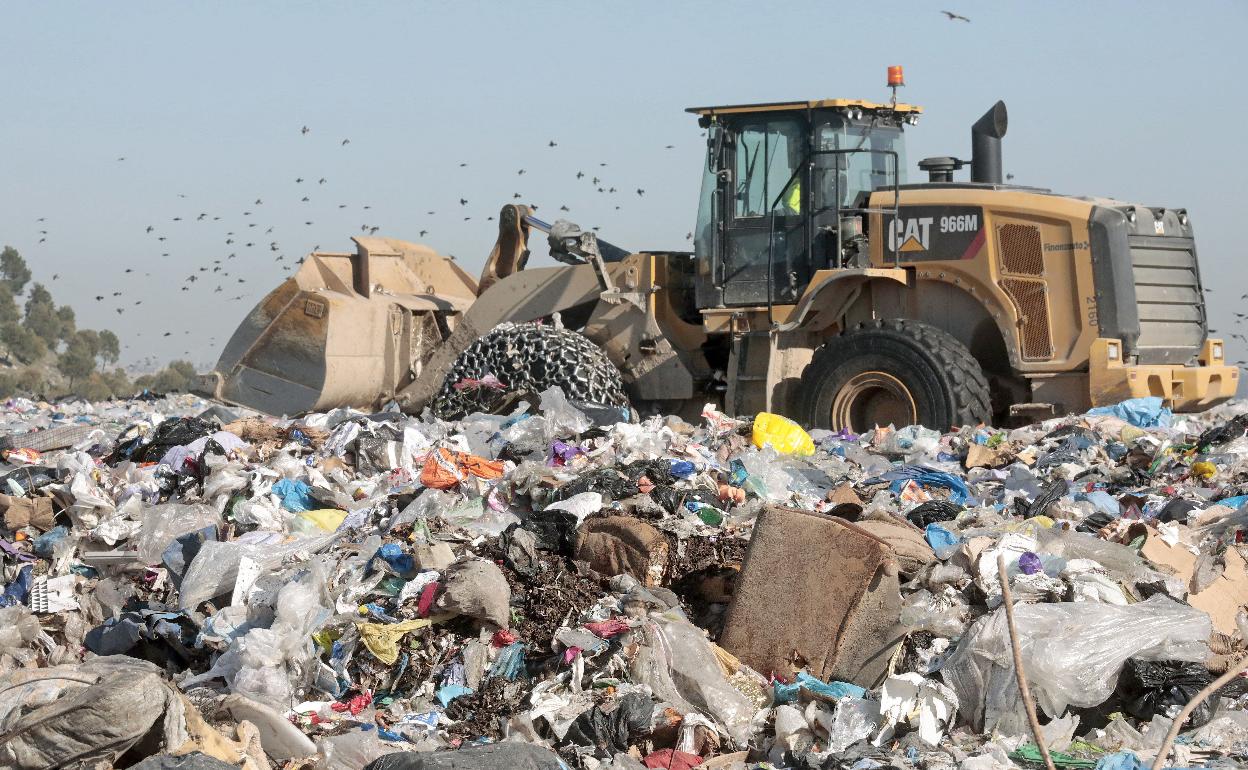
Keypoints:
pixel 1020 249
pixel 1032 301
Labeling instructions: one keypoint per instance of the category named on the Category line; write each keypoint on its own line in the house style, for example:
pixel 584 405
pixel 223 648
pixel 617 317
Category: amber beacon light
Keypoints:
pixel 896 78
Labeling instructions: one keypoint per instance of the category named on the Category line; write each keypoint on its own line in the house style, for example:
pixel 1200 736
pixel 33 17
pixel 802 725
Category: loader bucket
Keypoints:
pixel 345 330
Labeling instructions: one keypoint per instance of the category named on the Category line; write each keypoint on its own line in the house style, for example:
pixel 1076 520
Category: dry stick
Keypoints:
pixel 1019 673
pixel 1191 706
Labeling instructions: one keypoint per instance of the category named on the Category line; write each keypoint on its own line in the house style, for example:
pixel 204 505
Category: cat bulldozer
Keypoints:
pixel 822 285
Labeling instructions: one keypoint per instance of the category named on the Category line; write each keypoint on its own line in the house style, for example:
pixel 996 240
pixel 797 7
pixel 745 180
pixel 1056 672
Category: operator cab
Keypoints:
pixel 785 193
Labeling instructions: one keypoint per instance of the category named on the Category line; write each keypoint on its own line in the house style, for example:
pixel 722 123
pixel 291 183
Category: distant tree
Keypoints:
pixel 13 270
pixel 118 382
pixel 24 345
pixel 41 315
pixel 177 377
pixel 69 324
pixel 77 362
pixel 110 348
pixel 30 381
pixel 95 388
pixel 9 311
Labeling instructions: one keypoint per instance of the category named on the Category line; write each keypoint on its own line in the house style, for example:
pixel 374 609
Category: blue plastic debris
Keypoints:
pixel 451 692
pixel 941 540
pixel 927 477
pixel 510 662
pixel 45 544
pixel 683 469
pixel 788 693
pixel 17 591
pixel 400 563
pixel 296 495
pixel 1147 412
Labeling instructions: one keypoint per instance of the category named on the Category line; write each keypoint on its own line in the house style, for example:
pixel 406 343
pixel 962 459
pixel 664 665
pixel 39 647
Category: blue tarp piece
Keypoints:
pixel 1147 412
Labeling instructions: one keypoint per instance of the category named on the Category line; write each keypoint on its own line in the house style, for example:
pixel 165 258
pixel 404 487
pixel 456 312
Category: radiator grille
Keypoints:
pixel 1032 301
pixel 1020 249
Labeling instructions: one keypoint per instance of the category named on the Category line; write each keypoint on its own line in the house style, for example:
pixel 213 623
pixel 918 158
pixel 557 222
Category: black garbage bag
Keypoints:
pixel 933 512
pixel 611 732
pixel 1051 494
pixel 192 761
pixel 176 431
pixel 658 471
pixel 608 482
pixel 1149 687
pixel 509 754
pixel 1095 522
pixel 1232 429
pixel 553 531
pixel 28 478
pixel 1176 509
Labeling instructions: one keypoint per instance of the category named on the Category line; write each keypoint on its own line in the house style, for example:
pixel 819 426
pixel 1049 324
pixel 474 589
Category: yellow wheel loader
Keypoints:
pixel 823 285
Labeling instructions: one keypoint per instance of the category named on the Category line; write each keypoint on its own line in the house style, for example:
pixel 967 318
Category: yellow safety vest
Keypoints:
pixel 794 201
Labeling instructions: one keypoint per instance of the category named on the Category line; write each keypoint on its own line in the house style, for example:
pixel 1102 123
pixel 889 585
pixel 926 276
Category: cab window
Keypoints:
pixel 768 152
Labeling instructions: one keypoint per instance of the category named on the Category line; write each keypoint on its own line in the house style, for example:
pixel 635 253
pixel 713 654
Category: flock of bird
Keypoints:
pixel 245 240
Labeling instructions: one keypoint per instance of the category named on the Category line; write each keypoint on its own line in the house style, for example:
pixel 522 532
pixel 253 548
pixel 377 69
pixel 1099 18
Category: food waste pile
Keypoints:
pixel 187 585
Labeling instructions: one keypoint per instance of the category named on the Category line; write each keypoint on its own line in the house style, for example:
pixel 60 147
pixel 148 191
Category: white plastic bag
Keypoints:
pixel 678 664
pixel 162 524
pixel 1073 654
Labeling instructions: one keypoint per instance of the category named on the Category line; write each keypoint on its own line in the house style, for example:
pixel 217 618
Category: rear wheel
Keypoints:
pixel 893 373
pixel 527 359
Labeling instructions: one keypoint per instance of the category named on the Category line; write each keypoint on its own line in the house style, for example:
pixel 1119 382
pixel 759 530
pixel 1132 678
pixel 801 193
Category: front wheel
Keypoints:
pixel 893 372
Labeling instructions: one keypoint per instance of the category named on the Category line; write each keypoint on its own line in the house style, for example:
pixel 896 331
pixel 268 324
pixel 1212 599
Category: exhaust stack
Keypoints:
pixel 986 137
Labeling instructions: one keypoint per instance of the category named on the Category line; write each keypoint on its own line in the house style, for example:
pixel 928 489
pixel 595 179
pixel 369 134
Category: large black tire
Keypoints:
pixel 897 372
pixel 529 358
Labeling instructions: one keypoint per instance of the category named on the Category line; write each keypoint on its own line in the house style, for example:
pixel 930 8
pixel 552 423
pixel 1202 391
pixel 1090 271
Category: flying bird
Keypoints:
pixel 345 142
pixel 304 130
pixel 956 17
pixel 552 143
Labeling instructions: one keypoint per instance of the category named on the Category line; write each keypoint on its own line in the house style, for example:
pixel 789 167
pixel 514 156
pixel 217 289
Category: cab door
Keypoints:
pixel 765 209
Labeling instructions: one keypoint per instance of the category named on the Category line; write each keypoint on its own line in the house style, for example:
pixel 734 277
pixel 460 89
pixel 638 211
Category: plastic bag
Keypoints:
pixel 1153 687
pixel 215 569
pixel 162 524
pixel 562 419
pixel 781 434
pixel 1072 656
pixel 680 666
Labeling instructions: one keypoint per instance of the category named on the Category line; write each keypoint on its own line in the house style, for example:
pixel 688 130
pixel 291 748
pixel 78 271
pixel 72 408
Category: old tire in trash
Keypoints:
pixel 529 358
pixel 893 372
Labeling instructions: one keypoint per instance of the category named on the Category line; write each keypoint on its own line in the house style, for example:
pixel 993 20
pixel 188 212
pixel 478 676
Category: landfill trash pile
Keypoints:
pixel 191 586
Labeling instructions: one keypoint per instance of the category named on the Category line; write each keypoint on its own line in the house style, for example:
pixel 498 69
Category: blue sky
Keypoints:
pixel 1136 100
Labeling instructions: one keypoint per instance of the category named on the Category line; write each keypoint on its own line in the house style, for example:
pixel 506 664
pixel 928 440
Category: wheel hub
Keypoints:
pixel 870 399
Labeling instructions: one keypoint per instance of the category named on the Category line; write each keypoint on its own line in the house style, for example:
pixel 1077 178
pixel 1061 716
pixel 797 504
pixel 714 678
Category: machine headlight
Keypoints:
pixel 1112 351
pixel 1217 351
